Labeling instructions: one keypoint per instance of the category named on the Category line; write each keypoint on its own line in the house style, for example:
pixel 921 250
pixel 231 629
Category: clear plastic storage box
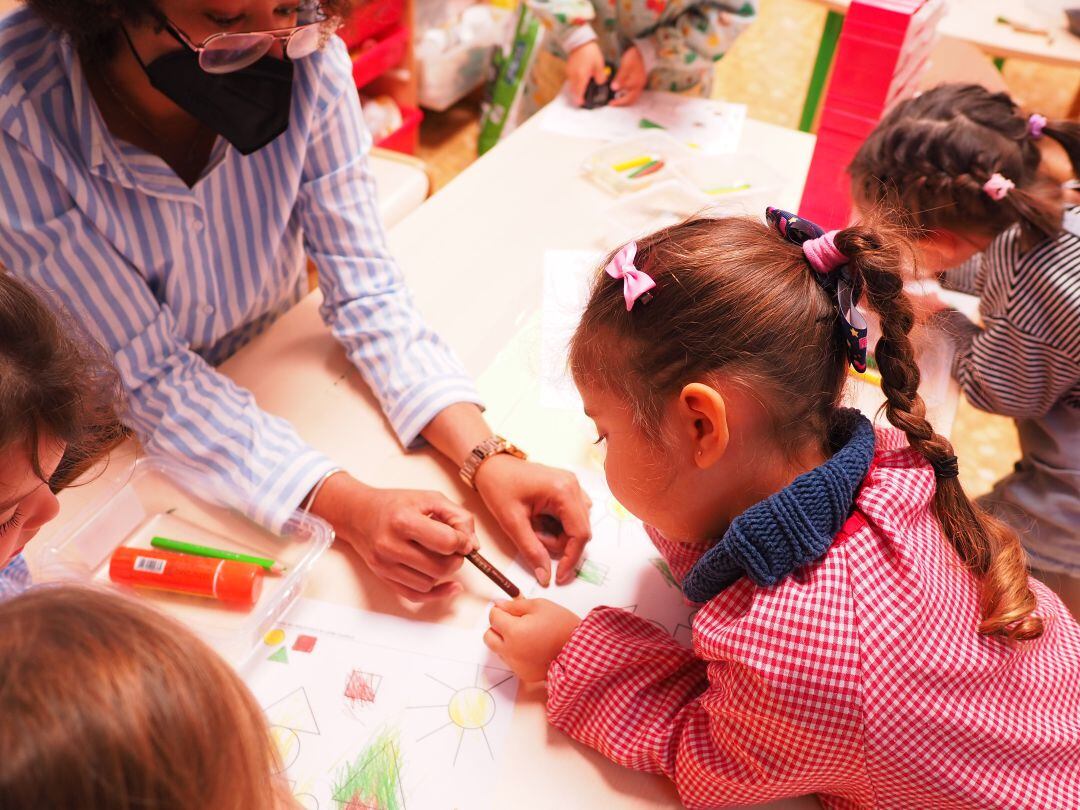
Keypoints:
pixel 635 163
pixel 163 499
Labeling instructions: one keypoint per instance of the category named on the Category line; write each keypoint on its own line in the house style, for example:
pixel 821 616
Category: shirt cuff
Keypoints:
pixel 285 489
pixel 414 411
pixel 577 36
pixel 647 48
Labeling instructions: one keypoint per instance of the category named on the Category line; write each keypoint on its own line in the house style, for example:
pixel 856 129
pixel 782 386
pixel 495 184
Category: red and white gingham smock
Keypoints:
pixel 862 678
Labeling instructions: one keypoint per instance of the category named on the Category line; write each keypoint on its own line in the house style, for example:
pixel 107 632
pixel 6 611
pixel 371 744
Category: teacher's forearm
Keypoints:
pixel 456 430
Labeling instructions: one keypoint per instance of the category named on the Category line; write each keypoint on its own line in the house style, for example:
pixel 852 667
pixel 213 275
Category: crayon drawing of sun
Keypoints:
pixel 469 710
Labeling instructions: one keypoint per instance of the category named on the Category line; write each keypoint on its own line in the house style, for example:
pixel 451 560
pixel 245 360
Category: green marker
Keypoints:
pixel 217 553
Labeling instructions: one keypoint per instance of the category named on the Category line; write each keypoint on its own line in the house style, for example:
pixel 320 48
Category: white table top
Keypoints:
pixel 472 255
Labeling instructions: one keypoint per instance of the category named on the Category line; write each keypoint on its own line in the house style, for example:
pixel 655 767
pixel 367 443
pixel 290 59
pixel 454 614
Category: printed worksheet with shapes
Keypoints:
pixel 373 712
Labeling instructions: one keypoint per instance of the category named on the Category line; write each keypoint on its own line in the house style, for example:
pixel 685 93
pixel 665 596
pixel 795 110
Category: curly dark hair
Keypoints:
pixel 94 25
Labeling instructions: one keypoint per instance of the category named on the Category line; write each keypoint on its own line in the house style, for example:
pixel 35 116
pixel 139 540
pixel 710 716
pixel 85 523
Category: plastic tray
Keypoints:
pixel 601 165
pixel 371 61
pixel 162 498
pixel 369 19
pixel 405 138
pixel 736 184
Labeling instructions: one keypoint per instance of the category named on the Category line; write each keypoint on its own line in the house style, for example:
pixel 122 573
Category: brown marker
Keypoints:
pixel 493 573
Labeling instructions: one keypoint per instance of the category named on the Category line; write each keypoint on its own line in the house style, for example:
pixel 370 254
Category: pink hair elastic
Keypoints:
pixel 823 254
pixel 636 283
pixel 998 186
pixel 1035 126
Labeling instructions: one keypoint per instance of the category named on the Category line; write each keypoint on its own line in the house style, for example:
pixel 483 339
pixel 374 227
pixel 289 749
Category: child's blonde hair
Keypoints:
pixel 735 300
pixel 930 158
pixel 107 705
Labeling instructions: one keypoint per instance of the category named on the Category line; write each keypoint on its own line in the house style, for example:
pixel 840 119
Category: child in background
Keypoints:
pixel 108 705
pixel 964 170
pixel 57 401
pixel 865 633
pixel 660 44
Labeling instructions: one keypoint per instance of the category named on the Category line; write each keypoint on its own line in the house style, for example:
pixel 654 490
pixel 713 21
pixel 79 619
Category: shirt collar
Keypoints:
pixel 793 527
pixel 108 158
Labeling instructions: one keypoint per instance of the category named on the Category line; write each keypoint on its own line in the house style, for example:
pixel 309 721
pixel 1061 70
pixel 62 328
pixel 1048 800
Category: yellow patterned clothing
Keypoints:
pixel 678 39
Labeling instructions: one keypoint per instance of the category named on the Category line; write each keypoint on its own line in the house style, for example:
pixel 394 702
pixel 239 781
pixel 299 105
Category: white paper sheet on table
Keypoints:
pixel 568 275
pixel 621 568
pixel 371 710
pixel 713 126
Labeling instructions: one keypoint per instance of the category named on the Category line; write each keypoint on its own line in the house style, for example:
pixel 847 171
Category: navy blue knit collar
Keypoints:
pixel 793 527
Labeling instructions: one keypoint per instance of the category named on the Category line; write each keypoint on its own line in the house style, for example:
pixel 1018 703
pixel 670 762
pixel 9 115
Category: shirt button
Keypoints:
pixel 197 225
pixel 208 309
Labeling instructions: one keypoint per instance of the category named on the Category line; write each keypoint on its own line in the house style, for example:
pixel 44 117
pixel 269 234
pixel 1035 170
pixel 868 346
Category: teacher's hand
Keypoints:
pixel 543 510
pixel 412 539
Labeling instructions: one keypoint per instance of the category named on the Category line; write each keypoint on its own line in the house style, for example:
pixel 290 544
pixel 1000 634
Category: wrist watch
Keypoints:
pixel 482 452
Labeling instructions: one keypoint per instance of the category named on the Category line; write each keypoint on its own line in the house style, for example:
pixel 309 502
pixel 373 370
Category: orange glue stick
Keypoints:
pixel 227 580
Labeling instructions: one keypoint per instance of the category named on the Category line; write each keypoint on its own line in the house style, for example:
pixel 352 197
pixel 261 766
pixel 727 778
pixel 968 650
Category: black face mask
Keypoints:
pixel 248 107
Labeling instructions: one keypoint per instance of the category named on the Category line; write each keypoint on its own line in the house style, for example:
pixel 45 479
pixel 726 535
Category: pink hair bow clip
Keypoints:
pixel 636 283
pixel 998 186
pixel 1036 123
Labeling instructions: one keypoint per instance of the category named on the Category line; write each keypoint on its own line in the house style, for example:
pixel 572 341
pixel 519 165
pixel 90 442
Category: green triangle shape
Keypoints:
pixel 280 656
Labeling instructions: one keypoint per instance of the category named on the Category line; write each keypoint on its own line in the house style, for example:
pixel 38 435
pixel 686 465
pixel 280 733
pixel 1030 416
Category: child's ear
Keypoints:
pixel 703 413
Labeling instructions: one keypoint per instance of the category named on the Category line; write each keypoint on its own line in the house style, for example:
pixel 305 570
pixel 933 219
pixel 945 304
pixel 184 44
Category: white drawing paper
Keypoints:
pixel 714 127
pixel 568 275
pixel 373 712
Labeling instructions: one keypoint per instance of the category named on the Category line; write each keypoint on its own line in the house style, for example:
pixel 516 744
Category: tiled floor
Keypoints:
pixel 768 69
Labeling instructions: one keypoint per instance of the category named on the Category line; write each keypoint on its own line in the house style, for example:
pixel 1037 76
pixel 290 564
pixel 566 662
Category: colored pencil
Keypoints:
pixel 217 553
pixel 651 167
pixel 493 573
pixel 633 163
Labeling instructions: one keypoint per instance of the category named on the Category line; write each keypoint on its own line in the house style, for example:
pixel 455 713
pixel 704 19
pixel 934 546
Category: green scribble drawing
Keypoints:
pixel 665 571
pixel 593 572
pixel 372 781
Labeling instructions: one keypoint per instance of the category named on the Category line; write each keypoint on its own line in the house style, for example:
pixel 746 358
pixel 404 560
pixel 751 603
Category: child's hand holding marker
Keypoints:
pixel 528 634
pixel 630 79
pixel 585 62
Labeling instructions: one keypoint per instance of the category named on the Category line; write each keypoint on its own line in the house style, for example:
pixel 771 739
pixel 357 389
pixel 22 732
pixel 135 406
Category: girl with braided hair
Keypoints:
pixel 968 175
pixel 865 633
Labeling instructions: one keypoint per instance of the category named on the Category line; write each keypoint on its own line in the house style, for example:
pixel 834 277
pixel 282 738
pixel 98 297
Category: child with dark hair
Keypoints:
pixel 58 397
pixel 865 632
pixel 966 172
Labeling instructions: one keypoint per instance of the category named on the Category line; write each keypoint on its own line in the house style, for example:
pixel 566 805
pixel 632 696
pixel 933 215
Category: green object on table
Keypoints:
pixel 645 123
pixel 217 553
pixel 830 36
pixel 999 63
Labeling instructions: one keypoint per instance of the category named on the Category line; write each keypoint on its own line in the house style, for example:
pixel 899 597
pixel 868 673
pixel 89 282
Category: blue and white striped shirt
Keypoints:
pixel 14 577
pixel 174 280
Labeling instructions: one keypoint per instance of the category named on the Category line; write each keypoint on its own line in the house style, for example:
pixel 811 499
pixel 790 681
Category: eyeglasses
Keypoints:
pixel 229 52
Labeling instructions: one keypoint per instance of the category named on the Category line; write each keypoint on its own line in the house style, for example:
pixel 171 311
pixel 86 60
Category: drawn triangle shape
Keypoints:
pixel 293 712
pixel 281 656
pixel 373 784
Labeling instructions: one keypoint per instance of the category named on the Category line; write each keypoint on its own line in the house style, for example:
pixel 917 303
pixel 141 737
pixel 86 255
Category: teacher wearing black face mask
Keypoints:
pixel 167 166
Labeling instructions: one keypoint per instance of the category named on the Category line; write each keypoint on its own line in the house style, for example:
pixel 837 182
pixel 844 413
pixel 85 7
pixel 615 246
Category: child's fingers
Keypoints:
pixel 501 621
pixel 625 98
pixel 493 641
pixel 516 607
